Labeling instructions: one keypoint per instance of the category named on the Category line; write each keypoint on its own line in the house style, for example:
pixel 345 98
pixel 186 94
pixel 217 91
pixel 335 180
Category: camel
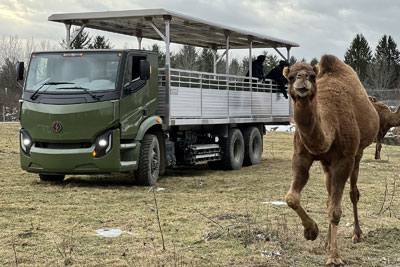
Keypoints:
pixel 387 120
pixel 335 122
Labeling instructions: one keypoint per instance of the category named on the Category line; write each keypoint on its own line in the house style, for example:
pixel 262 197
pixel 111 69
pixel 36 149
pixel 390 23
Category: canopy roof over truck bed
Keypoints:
pixel 184 29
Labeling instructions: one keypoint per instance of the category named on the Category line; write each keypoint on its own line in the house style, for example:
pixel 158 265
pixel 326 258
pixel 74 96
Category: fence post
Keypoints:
pixel 4 113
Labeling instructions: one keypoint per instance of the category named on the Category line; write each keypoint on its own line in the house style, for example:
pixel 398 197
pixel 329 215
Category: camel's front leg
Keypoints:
pixel 300 167
pixel 340 170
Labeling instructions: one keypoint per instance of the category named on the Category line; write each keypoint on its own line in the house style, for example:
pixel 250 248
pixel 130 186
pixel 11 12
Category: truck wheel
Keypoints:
pixel 149 161
pixel 51 177
pixel 253 146
pixel 233 150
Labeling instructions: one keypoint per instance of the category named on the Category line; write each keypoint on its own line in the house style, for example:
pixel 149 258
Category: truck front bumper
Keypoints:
pixel 73 161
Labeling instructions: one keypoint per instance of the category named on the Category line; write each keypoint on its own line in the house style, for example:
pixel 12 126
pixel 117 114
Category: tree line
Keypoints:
pixel 378 70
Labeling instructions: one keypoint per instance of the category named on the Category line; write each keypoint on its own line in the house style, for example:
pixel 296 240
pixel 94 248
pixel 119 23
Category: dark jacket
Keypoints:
pixel 277 75
pixel 257 69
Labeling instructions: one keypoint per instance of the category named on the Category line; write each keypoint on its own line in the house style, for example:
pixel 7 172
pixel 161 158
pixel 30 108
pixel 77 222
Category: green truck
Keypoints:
pixel 117 111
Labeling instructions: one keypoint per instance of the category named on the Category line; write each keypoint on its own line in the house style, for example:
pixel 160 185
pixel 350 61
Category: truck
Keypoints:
pixel 117 111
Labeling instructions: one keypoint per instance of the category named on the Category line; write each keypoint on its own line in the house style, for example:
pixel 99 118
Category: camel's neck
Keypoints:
pixel 314 134
pixel 395 118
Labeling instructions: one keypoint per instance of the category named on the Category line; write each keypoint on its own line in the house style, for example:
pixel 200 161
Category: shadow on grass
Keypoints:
pixel 94 181
pixel 128 180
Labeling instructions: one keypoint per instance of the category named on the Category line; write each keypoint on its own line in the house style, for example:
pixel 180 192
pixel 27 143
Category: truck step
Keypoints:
pixel 127 165
pixel 202 153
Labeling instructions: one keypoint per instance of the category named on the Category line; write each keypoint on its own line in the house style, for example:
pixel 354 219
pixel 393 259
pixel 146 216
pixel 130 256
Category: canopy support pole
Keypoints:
pixel 213 49
pixel 167 20
pixel 227 34
pixel 139 37
pixel 68 37
pixel 279 52
pixel 250 57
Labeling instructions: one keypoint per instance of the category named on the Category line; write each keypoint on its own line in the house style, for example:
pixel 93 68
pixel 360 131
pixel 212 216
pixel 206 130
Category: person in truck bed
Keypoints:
pixel 258 68
pixel 276 75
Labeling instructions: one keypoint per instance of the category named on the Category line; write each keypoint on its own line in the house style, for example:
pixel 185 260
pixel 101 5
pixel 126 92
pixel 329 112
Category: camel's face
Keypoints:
pixel 301 77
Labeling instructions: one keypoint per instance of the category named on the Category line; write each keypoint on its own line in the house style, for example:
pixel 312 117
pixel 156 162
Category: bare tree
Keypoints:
pixel 380 78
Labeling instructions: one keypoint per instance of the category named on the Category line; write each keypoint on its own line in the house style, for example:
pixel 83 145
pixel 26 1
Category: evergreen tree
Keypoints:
pixel 234 67
pixel 314 62
pixel 272 61
pixel 384 72
pixel 387 51
pixel 292 60
pixel 186 58
pixel 161 55
pixel 82 41
pixel 244 66
pixel 100 42
pixel 359 55
pixel 206 61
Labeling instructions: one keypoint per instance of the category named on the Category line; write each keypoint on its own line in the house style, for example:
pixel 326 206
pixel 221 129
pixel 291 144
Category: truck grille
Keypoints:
pixel 63 145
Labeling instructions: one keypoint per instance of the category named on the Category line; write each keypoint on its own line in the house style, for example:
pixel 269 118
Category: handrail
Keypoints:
pixel 227 80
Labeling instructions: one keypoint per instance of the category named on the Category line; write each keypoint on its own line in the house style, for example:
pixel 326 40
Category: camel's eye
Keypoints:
pixel 312 77
pixel 291 78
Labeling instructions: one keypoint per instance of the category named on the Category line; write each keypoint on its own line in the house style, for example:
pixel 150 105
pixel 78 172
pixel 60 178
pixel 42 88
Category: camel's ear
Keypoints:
pixel 286 72
pixel 316 69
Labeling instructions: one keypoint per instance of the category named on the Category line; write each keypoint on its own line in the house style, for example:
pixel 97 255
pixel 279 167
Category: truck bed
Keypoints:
pixel 198 98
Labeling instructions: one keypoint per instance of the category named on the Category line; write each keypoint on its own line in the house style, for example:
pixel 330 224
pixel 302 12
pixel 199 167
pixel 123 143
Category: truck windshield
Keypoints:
pixel 92 71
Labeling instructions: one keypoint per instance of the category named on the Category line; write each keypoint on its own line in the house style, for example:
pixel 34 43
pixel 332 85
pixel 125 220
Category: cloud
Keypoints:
pixel 318 26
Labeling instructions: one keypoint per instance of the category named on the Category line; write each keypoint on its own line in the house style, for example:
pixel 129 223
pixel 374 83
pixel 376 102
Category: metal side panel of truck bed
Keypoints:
pixel 206 98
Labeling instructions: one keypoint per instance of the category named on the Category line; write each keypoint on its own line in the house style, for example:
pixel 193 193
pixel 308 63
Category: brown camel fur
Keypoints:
pixel 387 120
pixel 335 122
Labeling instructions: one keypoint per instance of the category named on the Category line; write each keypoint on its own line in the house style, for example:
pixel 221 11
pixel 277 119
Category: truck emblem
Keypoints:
pixel 57 126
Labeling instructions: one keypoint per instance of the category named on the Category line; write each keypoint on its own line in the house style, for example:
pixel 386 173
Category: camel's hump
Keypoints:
pixel 330 63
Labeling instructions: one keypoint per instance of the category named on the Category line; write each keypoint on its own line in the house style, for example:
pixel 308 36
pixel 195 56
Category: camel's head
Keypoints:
pixel 301 77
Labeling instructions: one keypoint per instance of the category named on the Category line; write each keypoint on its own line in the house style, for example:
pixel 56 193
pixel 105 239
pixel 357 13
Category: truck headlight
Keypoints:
pixel 25 142
pixel 103 144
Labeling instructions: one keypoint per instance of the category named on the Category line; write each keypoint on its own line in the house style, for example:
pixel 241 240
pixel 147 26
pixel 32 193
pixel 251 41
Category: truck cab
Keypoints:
pixel 81 110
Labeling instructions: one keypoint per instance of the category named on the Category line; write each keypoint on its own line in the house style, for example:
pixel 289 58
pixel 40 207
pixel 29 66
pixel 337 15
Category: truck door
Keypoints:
pixel 135 97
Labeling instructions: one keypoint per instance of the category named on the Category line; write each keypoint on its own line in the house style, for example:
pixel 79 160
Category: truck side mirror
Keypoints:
pixel 145 70
pixel 20 71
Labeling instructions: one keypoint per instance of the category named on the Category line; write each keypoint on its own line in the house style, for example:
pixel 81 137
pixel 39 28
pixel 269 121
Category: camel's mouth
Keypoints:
pixel 302 92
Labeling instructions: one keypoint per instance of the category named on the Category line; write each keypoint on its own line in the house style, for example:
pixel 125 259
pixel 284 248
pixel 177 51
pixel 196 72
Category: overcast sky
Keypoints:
pixel 319 26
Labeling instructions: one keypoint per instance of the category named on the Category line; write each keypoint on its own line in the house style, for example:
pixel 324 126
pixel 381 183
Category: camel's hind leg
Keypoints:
pixel 339 173
pixel 300 167
pixel 379 141
pixel 378 148
pixel 355 196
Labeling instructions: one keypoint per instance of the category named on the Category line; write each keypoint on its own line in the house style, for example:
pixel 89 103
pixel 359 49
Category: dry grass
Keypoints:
pixel 208 218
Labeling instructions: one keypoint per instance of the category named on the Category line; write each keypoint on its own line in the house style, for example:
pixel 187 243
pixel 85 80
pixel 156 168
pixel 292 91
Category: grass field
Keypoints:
pixel 208 218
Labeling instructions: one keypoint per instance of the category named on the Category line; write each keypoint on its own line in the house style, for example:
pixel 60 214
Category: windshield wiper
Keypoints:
pixel 80 88
pixel 33 96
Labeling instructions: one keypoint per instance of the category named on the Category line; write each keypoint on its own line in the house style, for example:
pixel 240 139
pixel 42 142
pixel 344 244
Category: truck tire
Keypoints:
pixel 253 146
pixel 51 177
pixel 149 161
pixel 233 150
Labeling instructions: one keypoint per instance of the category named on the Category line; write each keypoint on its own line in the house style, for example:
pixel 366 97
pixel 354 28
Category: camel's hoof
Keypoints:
pixel 311 233
pixel 357 238
pixel 334 261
